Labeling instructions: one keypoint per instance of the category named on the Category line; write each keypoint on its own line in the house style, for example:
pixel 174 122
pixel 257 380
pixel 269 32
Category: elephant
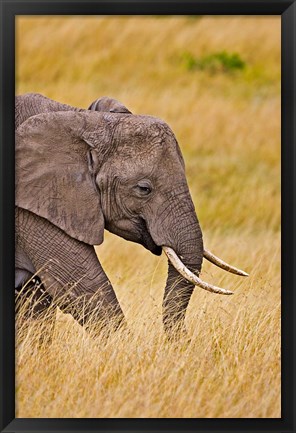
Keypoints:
pixel 31 104
pixel 79 172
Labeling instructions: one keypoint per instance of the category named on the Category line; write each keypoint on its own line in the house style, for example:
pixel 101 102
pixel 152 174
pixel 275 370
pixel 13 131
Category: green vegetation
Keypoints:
pixel 217 62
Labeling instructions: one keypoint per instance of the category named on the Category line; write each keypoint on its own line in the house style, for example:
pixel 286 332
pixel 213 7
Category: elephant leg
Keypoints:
pixel 70 271
pixel 34 295
pixel 34 304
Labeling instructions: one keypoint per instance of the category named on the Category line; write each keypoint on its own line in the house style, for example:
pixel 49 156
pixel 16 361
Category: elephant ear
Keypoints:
pixel 108 104
pixel 53 176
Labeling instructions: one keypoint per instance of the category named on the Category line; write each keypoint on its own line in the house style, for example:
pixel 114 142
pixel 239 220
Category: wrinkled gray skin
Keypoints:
pixel 78 173
pixel 108 104
pixel 31 104
pixel 28 105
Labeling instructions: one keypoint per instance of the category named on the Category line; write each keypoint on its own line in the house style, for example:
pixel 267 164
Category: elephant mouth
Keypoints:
pixel 135 231
pixel 147 240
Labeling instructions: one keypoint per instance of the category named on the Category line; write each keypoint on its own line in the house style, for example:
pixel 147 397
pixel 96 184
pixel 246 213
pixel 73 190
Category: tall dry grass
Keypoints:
pixel 228 127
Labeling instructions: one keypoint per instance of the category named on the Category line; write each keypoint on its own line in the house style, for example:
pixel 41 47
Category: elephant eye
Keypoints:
pixel 144 188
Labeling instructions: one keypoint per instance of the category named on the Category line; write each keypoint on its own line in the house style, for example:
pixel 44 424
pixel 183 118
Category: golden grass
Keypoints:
pixel 228 127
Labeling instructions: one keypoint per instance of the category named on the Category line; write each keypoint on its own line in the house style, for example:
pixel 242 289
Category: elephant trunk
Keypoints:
pixel 178 232
pixel 177 295
pixel 184 267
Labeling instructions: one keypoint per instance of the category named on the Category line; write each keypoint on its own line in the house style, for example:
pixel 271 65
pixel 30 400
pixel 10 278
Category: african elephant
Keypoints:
pixel 80 172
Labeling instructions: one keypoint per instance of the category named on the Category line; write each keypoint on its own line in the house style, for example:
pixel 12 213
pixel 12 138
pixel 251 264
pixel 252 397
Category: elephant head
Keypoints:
pixel 90 171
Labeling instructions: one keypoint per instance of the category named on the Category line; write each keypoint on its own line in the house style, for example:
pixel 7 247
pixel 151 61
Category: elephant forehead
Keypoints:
pixel 145 151
pixel 146 126
pixel 142 137
pixel 151 162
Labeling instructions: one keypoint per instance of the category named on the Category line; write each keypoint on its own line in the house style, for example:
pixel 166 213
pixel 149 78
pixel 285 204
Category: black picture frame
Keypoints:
pixel 287 10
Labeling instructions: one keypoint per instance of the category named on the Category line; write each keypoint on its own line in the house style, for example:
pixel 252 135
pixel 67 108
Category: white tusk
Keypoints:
pixel 190 276
pixel 218 262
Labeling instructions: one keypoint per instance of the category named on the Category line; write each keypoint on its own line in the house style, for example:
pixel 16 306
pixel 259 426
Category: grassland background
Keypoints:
pixel 228 127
